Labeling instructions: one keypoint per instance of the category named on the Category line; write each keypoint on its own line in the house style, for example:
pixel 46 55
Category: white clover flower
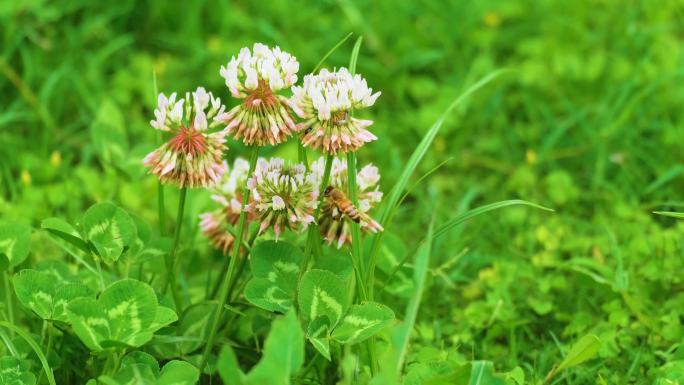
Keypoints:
pixel 334 224
pixel 191 157
pixel 227 194
pixel 285 196
pixel 326 101
pixel 256 76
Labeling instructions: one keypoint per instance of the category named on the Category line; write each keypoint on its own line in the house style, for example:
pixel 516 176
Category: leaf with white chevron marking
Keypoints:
pixel 362 322
pixel 126 314
pixel 110 229
pixel 275 266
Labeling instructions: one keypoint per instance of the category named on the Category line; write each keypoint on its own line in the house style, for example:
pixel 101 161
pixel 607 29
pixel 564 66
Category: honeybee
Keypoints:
pixel 344 206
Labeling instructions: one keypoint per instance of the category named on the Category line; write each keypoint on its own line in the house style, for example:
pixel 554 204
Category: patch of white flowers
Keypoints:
pixel 329 92
pixel 277 68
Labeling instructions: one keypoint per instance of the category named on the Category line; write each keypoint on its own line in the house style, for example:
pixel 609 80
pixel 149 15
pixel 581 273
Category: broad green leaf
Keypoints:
pixel 178 373
pixel 110 229
pixel 141 358
pixel 65 231
pixel 46 295
pixel 337 262
pixel 275 266
pixel 482 373
pixel 142 368
pixel 165 316
pixel 283 353
pixel 362 322
pixel 15 240
pixel 125 314
pixel 14 371
pixel 318 333
pixel 228 367
pixel 322 294
pixel 583 350
pixel 459 375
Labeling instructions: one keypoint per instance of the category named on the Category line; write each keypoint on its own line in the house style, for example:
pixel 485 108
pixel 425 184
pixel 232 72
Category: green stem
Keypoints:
pixel 160 204
pixel 248 247
pixel 160 186
pixel 48 327
pixel 225 286
pixel 312 235
pixel 171 262
pixel 301 155
pixel 356 232
pixel 98 265
pixel 34 346
pixel 8 297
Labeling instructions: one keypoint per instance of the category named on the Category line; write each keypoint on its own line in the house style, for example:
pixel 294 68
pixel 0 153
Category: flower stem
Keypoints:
pixel 160 204
pixel 171 262
pixel 8 297
pixel 301 155
pixel 160 186
pixel 48 331
pixel 225 285
pixel 355 230
pixel 312 235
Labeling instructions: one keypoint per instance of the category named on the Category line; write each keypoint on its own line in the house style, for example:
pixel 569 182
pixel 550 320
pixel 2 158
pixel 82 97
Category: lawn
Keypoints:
pixel 523 229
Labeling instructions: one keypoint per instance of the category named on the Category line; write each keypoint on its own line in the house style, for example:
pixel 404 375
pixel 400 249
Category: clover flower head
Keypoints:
pixel 333 222
pixel 256 76
pixel 325 101
pixel 192 157
pixel 285 196
pixel 226 193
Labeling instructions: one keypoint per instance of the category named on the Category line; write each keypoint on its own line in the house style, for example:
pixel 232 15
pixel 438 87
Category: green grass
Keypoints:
pixel 587 120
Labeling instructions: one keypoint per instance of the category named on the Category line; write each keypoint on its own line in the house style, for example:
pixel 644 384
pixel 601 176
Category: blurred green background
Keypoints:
pixel 588 122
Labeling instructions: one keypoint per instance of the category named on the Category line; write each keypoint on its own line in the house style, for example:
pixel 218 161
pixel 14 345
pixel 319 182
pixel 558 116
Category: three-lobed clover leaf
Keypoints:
pixel 46 295
pixel 109 229
pixel 323 302
pixel 275 266
pixel 141 368
pixel 15 240
pixel 125 314
pixel 14 371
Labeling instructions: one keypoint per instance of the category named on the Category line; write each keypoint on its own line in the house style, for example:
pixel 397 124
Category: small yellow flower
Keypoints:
pixel 55 159
pixel 25 177
pixel 491 19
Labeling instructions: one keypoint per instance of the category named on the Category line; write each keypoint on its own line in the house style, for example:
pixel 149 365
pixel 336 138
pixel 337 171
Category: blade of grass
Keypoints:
pixel 402 333
pixel 470 214
pixel 418 154
pixel 670 214
pixel 330 52
pixel 355 229
pixel 39 353
pixel 160 186
pixel 481 210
